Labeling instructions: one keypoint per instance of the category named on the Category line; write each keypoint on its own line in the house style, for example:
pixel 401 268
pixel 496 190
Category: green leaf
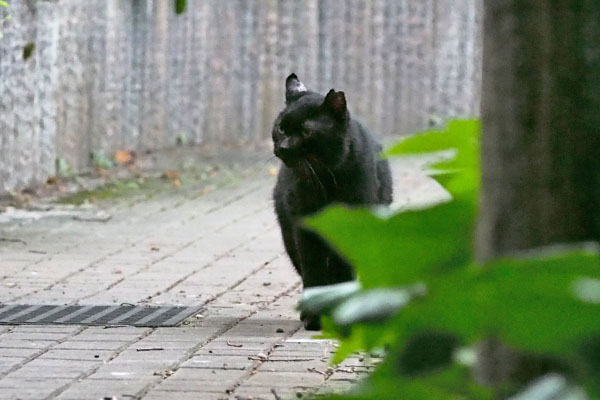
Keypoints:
pixel 461 135
pixel 180 6
pixel 3 4
pixel 460 175
pixel 100 160
pixel 386 384
pixel 374 305
pixel 316 300
pixel 551 387
pixel 398 251
pixel 62 167
pixel 526 303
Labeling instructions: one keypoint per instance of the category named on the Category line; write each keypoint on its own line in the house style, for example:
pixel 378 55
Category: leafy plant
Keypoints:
pixel 422 296
pixel 62 167
pixel 180 6
pixel 7 17
pixel 101 160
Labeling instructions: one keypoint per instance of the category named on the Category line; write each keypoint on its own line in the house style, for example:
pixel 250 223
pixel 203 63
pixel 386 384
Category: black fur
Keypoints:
pixel 327 158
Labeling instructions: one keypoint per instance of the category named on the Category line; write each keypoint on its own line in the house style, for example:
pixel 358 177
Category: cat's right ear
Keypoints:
pixel 294 89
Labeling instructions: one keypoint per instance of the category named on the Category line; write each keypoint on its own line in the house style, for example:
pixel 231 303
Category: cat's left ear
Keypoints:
pixel 335 102
pixel 294 89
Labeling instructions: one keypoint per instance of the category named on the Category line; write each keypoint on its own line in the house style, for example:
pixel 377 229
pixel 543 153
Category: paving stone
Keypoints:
pixel 228 377
pixel 17 352
pixel 78 354
pixel 183 334
pixel 266 393
pixel 222 251
pixel 83 365
pixel 132 369
pixel 292 364
pixel 280 379
pixel 37 383
pixel 26 344
pixel 33 329
pixel 206 395
pixel 169 355
pixel 234 348
pixel 202 380
pixel 90 345
pixel 220 361
pixel 49 372
pixel 8 363
pixel 144 345
pixel 101 388
pixel 26 393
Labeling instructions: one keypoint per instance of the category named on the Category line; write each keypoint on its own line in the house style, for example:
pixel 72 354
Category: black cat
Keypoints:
pixel 328 158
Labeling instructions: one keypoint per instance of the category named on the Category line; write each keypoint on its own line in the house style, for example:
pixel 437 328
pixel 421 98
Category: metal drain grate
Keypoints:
pixel 18 314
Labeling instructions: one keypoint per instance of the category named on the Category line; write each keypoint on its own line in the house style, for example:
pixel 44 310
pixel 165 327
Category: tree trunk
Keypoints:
pixel 541 125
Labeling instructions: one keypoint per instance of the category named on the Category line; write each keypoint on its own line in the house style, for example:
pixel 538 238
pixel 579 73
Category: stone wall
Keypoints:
pixel 131 74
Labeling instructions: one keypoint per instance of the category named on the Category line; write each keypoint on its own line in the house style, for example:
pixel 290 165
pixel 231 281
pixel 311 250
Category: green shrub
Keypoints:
pixel 423 298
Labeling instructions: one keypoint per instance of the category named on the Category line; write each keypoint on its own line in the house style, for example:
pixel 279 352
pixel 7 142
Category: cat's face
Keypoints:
pixel 311 125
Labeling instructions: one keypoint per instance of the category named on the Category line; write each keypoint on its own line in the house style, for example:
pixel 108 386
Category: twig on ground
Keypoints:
pixel 312 369
pixel 13 240
pixel 275 394
pixel 265 358
pixel 150 349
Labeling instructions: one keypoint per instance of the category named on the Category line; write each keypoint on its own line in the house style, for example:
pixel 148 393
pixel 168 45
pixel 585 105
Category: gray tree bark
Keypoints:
pixel 541 137
pixel 541 125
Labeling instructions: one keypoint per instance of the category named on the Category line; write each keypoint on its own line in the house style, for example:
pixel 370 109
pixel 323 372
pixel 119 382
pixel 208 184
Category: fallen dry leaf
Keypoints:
pixel 164 373
pixel 177 183
pixel 103 172
pixel 124 156
pixel 273 171
pixel 173 175
pixel 53 180
pixel 154 248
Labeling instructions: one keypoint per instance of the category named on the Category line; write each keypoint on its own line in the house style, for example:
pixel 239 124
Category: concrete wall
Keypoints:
pixel 132 74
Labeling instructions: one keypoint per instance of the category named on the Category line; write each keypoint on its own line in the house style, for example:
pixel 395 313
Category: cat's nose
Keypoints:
pixel 283 152
pixel 285 144
pixel 283 149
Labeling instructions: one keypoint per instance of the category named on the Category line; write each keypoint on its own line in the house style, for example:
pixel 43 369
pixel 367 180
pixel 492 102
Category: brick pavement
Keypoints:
pixel 219 249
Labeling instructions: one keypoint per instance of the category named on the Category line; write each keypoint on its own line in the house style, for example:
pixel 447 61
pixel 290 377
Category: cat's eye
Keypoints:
pixel 307 132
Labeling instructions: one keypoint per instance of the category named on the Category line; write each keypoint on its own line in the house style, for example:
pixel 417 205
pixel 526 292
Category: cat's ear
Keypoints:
pixel 294 89
pixel 335 102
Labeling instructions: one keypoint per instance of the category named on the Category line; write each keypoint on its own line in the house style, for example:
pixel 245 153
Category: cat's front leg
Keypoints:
pixel 320 266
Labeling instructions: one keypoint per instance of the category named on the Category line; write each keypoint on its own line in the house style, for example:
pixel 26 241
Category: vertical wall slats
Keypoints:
pixel 115 74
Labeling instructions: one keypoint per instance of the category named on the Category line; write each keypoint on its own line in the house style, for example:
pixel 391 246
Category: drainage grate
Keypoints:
pixel 18 314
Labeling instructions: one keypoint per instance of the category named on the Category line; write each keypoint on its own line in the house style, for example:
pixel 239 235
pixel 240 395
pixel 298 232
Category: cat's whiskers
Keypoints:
pixel 321 163
pixel 317 178
pixel 264 165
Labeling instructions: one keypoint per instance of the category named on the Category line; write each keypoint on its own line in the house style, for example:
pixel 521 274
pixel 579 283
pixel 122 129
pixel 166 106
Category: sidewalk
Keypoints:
pixel 215 246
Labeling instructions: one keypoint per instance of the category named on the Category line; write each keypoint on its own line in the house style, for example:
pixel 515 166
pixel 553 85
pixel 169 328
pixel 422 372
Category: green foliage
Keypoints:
pixel 319 299
pixel 101 160
pixel 420 262
pixel 62 167
pixel 7 17
pixel 28 50
pixel 180 6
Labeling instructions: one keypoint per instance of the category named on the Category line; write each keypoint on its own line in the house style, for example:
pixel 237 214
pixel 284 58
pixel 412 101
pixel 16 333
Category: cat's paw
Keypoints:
pixel 311 322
